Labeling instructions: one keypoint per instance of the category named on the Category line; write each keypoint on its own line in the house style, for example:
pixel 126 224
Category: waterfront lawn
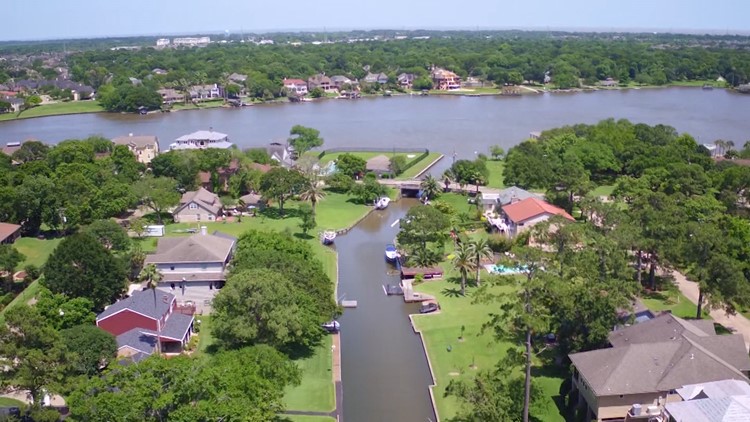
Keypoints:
pixel 419 166
pixel 496 174
pixel 54 109
pixel 459 202
pixel 451 358
pixel 316 391
pixel 198 105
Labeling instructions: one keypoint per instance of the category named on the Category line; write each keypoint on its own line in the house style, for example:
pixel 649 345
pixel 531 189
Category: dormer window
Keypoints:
pixel 193 206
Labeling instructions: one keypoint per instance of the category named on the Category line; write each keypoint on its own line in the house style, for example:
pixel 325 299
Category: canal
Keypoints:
pixel 384 369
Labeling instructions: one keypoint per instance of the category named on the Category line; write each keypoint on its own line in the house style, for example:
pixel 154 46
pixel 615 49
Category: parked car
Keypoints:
pixel 429 307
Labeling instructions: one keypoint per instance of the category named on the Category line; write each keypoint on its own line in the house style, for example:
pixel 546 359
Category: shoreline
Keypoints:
pixel 528 90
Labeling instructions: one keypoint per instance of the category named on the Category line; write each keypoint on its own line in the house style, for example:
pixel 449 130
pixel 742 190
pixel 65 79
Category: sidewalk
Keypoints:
pixel 736 323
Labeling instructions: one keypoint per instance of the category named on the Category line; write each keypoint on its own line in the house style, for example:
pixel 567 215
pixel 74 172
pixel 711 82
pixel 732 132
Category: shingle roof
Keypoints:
pixel 531 207
pixel 513 194
pixel 664 327
pixel 251 199
pixel 195 248
pixel 139 141
pixel 203 135
pixel 714 389
pixel 379 163
pixel 142 302
pixel 724 409
pixel 138 339
pixel 177 326
pixel 203 197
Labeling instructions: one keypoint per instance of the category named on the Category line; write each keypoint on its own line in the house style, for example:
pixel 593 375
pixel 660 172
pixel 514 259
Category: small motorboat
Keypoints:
pixel 382 203
pixel 391 253
pixel 332 326
pixel 327 237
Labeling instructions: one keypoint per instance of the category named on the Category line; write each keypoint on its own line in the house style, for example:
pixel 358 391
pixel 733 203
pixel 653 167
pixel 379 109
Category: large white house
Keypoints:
pixel 202 139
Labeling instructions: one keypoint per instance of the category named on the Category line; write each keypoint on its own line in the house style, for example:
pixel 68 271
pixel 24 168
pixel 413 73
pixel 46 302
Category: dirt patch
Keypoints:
pixel 454 374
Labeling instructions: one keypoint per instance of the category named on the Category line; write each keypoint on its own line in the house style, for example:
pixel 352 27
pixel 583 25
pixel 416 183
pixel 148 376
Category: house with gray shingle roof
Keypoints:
pixel 648 363
pixel 195 267
pixel 198 206
pixel 139 320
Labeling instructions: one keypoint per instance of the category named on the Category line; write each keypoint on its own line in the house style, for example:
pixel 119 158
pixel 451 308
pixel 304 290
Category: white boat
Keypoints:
pixel 382 203
pixel 391 254
pixel 327 237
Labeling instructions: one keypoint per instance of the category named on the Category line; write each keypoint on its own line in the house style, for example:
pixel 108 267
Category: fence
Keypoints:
pixel 394 150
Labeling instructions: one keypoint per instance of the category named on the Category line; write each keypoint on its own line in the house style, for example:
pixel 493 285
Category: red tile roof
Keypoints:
pixel 531 207
pixel 7 230
pixel 294 81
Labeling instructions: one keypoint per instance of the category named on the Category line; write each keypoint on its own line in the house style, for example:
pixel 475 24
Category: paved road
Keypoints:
pixel 738 323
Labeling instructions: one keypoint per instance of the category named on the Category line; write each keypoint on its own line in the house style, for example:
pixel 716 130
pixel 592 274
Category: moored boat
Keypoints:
pixel 391 253
pixel 382 203
pixel 327 237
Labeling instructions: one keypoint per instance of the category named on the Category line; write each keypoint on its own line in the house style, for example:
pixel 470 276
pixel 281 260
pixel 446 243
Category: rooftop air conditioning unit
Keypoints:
pixel 653 410
pixel 635 410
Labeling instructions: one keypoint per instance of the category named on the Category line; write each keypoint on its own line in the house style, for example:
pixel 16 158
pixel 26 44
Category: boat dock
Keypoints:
pixel 349 303
pixel 410 295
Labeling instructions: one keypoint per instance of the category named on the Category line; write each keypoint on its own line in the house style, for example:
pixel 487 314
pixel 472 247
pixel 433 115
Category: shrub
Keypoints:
pixel 32 271
pixel 499 243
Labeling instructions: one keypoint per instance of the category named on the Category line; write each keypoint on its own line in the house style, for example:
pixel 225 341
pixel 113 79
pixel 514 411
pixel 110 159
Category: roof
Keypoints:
pixel 532 207
pixel 237 77
pixel 137 141
pixel 142 302
pixel 195 248
pixel 202 197
pixel 138 339
pixel 412 271
pixel 203 135
pixel 714 390
pixel 176 277
pixel 515 194
pixel 724 409
pixel 264 168
pixel 288 82
pixel 651 367
pixel 177 326
pixel 664 327
pixel 379 163
pixel 251 198
pixel 7 230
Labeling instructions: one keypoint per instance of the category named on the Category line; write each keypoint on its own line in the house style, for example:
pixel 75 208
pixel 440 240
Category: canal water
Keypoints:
pixel 384 368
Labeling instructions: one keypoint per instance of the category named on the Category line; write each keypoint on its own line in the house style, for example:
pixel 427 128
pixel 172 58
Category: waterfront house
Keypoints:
pixel 379 165
pixel 725 400
pixel 169 95
pixel 376 78
pixel 296 87
pixel 202 139
pixel 608 83
pixel 405 80
pixel 522 215
pixel 14 104
pixel 321 81
pixel 198 205
pixel 339 81
pixel 206 92
pixel 472 82
pixel 648 363
pixel 194 267
pixel 281 153
pixel 144 147
pixel 238 78
pixel 222 174
pixel 9 233
pixel 444 80
pixel 139 320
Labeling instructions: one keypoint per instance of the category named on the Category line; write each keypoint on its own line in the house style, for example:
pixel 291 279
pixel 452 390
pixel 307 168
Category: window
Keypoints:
pixel 193 206
pixel 198 217
pixel 171 268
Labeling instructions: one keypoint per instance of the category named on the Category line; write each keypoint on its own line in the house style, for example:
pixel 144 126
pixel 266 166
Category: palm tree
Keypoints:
pixel 463 261
pixel 152 276
pixel 480 249
pixel 448 178
pixel 425 258
pixel 430 187
pixel 241 206
pixel 730 146
pixel 312 192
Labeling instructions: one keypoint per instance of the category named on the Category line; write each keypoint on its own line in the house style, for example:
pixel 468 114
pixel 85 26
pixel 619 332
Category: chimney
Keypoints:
pixel 204 230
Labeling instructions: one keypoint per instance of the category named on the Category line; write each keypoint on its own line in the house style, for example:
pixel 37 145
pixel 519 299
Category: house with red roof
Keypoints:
pixel 522 215
pixel 9 233
pixel 295 86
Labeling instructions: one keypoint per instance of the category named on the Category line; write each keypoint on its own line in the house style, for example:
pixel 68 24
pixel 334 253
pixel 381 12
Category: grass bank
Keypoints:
pixel 9 402
pixel 56 109
pixel 496 180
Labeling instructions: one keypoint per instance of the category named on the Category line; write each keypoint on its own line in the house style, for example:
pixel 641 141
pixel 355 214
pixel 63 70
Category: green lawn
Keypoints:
pixel 452 358
pixel 496 174
pixel 36 251
pixel 200 105
pixel 72 107
pixel 7 401
pixel 315 393
pixel 458 201
pixel 419 166
pixel 671 300
pixel 205 339
pixel 605 190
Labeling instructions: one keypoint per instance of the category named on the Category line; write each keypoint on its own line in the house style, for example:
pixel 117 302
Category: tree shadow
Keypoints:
pixel 275 214
pixel 451 292
pixel 303 236
pixel 560 399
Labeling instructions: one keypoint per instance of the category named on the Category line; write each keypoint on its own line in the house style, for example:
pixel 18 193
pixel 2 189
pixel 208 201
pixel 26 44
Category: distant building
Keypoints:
pixel 339 81
pixel 162 42
pixel 9 233
pixel 144 147
pixel 321 81
pixel 608 83
pixel 405 80
pixel 191 42
pixel 159 71
pixel 237 78
pixel 295 86
pixel 206 92
pixel 202 139
pixel 445 80
pixel 169 95
pixel 379 78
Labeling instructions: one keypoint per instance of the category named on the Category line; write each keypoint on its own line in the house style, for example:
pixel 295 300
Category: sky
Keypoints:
pixel 56 19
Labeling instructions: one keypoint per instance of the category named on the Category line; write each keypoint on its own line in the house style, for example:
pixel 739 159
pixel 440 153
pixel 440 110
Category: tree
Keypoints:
pixel 81 267
pixel 152 276
pixel 479 250
pixel 32 101
pixel 110 234
pixel 263 307
pixel 9 260
pixel 317 93
pixel 340 182
pixel 280 184
pixel 157 193
pixel 304 139
pixel 422 84
pixel 31 151
pixel 61 312
pixel 307 217
pixel 398 164
pixel 33 355
pixel 497 152
pixel 463 262
pixel 312 191
pixel 138 226
pixel 369 190
pixel 350 165
pixel 89 349
pixel 430 187
pixel 422 225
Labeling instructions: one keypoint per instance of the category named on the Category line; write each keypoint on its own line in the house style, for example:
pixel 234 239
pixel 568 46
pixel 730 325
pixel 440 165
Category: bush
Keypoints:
pixel 32 271
pixel 499 243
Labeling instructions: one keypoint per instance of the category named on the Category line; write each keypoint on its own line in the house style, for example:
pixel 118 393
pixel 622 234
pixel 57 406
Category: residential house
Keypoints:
pixel 444 80
pixel 139 320
pixel 492 202
pixel 194 267
pixel 206 92
pixel 238 78
pixel 9 233
pixel 14 104
pixel 406 80
pixel 252 201
pixel 295 87
pixel 379 165
pixel 648 363
pixel 169 95
pixel 223 174
pixel 321 81
pixel 520 216
pixel 376 78
pixel 144 147
pixel 162 42
pixel 339 81
pixel 472 82
pixel 198 205
pixel 202 139
pixel 281 153
pixel 159 71
pixel 191 41
pixel 263 168
pixel 608 83
pixel 725 400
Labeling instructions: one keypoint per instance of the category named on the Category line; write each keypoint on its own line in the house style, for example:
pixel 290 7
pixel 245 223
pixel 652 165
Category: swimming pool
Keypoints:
pixel 503 270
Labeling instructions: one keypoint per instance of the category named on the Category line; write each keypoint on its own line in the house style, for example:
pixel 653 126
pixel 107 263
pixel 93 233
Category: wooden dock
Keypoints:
pixel 410 295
